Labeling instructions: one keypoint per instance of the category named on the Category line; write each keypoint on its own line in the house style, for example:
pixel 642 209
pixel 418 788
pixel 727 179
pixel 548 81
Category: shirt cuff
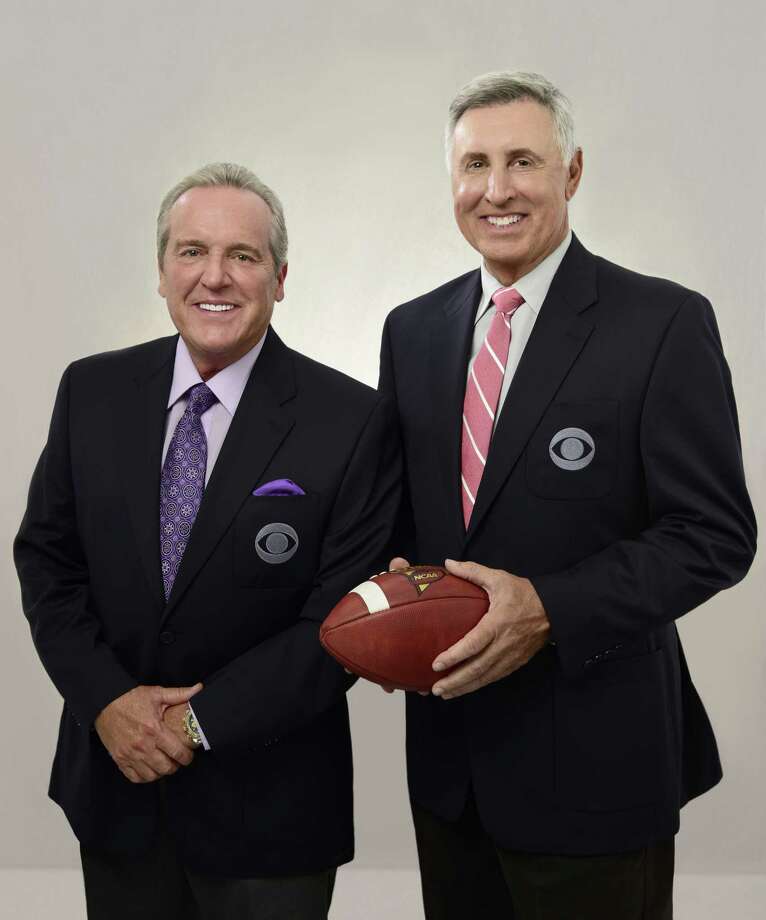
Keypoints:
pixel 203 739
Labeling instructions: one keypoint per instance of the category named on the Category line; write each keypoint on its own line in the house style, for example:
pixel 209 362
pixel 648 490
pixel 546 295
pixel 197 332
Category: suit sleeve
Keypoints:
pixel 283 683
pixel 702 532
pixel 54 580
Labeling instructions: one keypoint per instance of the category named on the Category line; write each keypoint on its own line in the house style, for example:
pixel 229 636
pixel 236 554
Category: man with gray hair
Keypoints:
pixel 569 433
pixel 200 506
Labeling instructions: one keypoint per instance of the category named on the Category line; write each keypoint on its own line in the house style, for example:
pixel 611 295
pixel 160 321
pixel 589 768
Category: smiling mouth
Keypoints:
pixel 507 220
pixel 216 307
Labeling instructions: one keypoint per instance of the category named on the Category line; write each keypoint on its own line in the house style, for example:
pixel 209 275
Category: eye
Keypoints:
pixel 189 252
pixel 523 163
pixel 276 543
pixel 572 449
pixel 473 165
pixel 243 257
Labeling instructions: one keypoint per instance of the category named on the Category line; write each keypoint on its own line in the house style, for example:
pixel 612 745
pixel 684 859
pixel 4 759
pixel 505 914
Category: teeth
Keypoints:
pixel 216 307
pixel 504 221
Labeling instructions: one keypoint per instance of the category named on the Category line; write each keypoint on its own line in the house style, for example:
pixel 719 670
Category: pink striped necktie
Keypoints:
pixel 482 393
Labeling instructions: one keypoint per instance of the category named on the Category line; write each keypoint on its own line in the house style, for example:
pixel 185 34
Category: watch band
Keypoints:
pixel 191 728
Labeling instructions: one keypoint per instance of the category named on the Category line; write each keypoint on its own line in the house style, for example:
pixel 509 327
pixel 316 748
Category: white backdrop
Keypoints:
pixel 104 106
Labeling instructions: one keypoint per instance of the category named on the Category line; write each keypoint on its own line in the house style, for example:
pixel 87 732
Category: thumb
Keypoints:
pixel 398 562
pixel 477 574
pixel 172 696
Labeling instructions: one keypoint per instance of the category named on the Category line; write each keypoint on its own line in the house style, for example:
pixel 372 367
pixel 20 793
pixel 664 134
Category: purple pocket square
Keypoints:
pixel 279 487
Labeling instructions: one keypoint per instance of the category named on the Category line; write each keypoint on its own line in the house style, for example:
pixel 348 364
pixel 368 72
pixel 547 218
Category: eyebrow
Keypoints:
pixel 515 152
pixel 235 247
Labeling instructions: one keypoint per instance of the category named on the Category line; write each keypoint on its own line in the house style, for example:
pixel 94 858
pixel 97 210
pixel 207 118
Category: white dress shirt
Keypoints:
pixel 228 385
pixel 533 287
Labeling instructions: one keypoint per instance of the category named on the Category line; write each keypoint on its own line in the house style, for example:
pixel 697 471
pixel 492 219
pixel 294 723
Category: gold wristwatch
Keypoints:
pixel 191 728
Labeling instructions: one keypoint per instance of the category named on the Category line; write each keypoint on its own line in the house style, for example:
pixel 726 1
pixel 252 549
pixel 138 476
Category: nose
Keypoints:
pixel 214 275
pixel 500 186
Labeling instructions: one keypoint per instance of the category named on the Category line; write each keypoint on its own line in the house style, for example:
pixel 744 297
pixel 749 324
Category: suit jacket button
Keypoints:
pixel 167 637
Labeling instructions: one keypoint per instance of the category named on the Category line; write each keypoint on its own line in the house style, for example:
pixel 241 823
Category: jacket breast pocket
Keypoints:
pixel 573 453
pixel 276 541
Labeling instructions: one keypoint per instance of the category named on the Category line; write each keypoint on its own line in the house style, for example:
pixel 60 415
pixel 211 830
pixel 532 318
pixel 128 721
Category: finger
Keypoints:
pixel 473 643
pixel 470 685
pixel 175 749
pixel 145 773
pixel 161 764
pixel 398 562
pixel 172 696
pixel 482 670
pixel 479 575
pixel 171 744
pixel 130 774
pixel 184 756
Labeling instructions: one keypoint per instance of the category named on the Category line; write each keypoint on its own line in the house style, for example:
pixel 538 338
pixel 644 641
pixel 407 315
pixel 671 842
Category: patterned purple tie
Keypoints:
pixel 183 482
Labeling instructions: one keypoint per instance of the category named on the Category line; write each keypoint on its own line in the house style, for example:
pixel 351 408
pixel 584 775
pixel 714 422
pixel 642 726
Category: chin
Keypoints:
pixel 505 256
pixel 214 350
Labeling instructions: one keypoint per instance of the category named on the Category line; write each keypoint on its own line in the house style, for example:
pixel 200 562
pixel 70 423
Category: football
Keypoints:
pixel 389 629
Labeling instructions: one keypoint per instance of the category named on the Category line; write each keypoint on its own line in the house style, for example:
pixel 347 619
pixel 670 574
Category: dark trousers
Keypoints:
pixel 465 876
pixel 156 886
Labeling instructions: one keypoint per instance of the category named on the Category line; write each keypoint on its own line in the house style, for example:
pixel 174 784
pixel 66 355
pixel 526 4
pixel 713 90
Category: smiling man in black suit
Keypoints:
pixel 570 432
pixel 201 504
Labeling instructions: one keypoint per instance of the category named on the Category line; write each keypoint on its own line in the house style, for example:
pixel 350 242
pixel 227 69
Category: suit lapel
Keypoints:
pixel 559 334
pixel 450 348
pixel 139 436
pixel 259 426
pixel 139 417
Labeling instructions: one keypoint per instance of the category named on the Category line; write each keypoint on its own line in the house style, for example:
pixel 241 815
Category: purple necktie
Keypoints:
pixel 183 482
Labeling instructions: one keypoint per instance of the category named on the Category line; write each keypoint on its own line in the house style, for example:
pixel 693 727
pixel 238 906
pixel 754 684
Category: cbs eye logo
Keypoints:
pixel 276 543
pixel 572 449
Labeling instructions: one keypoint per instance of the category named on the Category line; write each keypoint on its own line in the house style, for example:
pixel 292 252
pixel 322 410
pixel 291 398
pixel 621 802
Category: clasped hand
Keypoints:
pixel 513 630
pixel 143 733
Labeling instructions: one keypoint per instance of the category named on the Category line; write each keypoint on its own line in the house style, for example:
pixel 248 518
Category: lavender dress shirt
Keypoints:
pixel 228 385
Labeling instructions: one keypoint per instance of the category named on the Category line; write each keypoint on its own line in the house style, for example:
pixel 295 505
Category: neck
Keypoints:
pixel 208 365
pixel 207 372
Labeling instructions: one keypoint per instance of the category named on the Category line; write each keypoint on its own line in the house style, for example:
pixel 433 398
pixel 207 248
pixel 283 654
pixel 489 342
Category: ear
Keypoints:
pixel 574 174
pixel 279 294
pixel 161 286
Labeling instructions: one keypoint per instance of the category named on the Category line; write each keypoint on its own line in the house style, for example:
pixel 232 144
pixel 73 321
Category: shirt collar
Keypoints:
pixel 228 384
pixel 533 286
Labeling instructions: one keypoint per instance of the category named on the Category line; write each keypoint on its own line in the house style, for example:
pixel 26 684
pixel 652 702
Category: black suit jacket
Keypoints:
pixel 274 795
pixel 595 744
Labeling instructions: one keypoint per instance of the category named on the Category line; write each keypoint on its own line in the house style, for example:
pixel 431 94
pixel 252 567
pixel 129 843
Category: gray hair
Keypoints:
pixel 233 176
pixel 502 87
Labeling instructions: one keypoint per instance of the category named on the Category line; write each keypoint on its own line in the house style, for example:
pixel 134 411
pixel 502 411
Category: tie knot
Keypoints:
pixel 507 300
pixel 201 398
